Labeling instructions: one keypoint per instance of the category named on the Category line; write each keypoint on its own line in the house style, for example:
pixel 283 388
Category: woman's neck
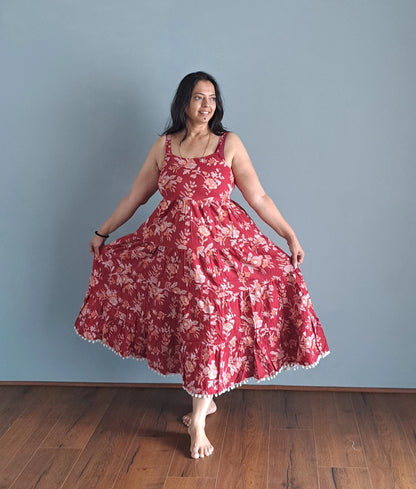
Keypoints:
pixel 196 131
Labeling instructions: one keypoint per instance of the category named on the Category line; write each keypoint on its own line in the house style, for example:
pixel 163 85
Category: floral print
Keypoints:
pixel 198 289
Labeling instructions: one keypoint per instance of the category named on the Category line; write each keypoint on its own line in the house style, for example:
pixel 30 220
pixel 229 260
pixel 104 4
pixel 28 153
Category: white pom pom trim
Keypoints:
pixel 289 366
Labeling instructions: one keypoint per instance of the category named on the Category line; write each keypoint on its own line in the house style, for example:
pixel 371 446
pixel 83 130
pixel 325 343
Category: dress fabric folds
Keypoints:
pixel 199 290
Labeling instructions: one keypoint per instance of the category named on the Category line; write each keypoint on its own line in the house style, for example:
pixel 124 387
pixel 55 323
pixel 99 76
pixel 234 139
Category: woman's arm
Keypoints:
pixel 248 182
pixel 144 186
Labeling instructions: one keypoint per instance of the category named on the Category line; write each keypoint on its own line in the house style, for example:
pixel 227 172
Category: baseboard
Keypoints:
pixel 178 386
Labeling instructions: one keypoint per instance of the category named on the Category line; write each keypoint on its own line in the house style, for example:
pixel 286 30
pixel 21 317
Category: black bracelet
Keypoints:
pixel 102 235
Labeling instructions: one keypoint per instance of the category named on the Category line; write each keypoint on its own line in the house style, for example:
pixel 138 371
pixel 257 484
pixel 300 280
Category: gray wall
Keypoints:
pixel 321 92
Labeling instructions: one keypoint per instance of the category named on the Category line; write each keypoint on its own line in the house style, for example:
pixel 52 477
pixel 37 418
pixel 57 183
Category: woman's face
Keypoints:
pixel 202 105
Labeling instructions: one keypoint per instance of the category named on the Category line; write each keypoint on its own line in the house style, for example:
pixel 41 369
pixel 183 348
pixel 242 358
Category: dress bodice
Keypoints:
pixel 196 179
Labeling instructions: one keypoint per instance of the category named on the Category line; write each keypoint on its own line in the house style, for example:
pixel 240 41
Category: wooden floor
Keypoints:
pixel 124 438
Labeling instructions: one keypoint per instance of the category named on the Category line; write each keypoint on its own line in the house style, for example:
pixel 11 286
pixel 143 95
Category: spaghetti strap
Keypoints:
pixel 221 145
pixel 168 146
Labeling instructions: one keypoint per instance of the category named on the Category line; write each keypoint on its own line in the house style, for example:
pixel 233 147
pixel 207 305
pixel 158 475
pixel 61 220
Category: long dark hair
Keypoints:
pixel 181 101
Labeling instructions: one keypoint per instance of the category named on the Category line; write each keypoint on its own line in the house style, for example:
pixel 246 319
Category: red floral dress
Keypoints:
pixel 198 289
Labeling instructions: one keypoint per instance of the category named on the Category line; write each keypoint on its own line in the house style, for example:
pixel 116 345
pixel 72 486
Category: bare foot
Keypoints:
pixel 186 419
pixel 200 445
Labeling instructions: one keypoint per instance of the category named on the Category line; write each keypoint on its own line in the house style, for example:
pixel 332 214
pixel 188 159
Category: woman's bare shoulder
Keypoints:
pixel 233 140
pixel 233 147
pixel 158 150
pixel 160 142
pixel 231 136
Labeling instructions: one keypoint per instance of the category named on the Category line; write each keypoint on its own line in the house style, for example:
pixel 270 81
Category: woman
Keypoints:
pixel 198 289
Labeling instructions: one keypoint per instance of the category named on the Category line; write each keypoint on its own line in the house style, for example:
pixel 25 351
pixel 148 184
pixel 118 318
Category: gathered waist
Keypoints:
pixel 198 202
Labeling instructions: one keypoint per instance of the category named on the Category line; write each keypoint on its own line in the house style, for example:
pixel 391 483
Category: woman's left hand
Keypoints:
pixel 296 250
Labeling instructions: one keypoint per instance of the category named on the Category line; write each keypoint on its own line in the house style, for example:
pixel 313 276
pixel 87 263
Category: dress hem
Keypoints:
pixel 286 367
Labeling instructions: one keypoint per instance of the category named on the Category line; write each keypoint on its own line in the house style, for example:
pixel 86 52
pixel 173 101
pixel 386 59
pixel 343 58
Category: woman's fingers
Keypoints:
pixel 95 245
pixel 294 260
pixel 297 253
pixel 301 256
pixel 94 250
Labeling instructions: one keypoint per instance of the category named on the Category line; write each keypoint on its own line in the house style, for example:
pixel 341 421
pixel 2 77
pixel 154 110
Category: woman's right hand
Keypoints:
pixel 95 245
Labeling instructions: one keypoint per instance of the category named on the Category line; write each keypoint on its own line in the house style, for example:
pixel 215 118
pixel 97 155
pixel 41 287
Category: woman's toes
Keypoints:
pixel 197 453
pixel 186 419
pixel 200 445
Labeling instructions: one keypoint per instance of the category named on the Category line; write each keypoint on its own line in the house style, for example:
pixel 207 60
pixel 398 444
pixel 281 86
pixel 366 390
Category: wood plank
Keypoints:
pixel 16 401
pixel 404 406
pixel 245 452
pixel 29 429
pixel 292 460
pixel 391 463
pixel 147 463
pixel 153 444
pixel 338 441
pixel 100 461
pixel 47 469
pixel 185 466
pixel 291 409
pixel 152 448
pixel 12 395
pixel 344 478
pixel 163 412
pixel 12 402
pixel 190 483
pixel 81 415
